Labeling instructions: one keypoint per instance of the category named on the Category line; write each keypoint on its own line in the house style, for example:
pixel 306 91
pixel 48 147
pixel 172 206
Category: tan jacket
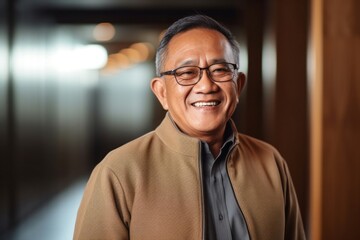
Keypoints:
pixel 151 188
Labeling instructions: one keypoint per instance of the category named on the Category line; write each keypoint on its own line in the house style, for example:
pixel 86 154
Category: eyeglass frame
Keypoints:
pixel 173 72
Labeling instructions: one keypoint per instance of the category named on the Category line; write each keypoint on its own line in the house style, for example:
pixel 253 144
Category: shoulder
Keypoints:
pixel 255 150
pixel 132 153
pixel 263 157
pixel 248 143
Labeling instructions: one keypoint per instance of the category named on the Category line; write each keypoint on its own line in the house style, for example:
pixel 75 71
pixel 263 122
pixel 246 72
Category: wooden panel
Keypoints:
pixel 341 194
pixel 316 127
pixel 339 153
pixel 253 111
pixel 290 133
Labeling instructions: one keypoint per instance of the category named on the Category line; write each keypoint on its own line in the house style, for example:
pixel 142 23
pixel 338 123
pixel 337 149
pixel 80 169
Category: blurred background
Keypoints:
pixel 74 84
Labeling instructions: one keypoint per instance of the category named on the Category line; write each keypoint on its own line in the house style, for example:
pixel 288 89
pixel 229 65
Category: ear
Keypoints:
pixel 159 89
pixel 240 82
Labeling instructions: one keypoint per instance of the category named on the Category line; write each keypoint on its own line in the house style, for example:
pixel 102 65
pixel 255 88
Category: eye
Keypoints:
pixel 186 72
pixel 220 69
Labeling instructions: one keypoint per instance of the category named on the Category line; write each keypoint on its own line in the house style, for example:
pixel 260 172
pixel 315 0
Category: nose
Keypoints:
pixel 205 84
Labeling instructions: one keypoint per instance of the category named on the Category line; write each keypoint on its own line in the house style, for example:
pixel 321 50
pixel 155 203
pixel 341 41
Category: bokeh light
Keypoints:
pixel 104 32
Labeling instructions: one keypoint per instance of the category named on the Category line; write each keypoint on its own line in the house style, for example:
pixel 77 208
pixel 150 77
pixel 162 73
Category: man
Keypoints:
pixel 195 176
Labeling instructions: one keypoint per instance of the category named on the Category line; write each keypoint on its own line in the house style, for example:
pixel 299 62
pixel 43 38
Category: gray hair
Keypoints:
pixel 188 23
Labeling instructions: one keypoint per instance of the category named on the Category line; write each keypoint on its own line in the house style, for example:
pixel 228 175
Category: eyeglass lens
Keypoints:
pixel 217 72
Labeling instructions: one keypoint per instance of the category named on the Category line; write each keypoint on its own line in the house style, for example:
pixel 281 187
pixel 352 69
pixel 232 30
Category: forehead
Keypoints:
pixel 199 43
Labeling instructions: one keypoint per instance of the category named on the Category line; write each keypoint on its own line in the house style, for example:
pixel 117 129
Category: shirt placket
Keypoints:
pixel 218 192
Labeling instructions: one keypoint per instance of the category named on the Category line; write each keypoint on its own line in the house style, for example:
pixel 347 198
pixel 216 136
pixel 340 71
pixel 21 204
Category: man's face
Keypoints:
pixel 203 109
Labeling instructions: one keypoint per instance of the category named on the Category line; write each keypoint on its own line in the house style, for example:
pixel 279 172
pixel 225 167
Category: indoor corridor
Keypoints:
pixel 75 83
pixel 55 220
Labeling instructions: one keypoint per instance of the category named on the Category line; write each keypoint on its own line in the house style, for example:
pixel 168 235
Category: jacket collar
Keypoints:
pixel 173 138
pixel 179 142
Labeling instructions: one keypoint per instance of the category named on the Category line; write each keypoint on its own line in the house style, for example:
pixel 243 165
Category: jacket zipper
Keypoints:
pixel 237 201
pixel 202 195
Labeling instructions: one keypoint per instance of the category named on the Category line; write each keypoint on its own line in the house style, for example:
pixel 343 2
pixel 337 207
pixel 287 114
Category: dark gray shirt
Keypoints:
pixel 223 217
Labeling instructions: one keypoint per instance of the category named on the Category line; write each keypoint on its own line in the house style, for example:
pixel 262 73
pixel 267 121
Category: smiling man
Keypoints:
pixel 195 176
pixel 207 86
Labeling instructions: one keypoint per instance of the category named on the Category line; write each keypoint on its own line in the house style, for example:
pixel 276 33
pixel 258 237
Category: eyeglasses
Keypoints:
pixel 191 75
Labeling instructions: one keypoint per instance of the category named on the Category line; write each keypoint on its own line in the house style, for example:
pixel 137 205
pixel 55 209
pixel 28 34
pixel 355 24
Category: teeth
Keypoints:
pixel 204 104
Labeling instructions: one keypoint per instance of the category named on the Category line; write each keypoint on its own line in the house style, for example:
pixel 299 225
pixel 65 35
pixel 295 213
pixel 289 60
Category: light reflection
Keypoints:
pixel 90 57
pixel 244 59
pixel 133 54
pixel 118 60
pixel 269 61
pixel 83 57
pixel 145 49
pixel 127 57
pixel 104 32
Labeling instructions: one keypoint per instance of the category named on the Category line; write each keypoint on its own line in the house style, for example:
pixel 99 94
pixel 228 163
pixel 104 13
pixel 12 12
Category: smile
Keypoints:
pixel 206 104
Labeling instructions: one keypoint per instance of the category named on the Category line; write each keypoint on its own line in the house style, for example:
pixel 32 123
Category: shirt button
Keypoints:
pixel 221 217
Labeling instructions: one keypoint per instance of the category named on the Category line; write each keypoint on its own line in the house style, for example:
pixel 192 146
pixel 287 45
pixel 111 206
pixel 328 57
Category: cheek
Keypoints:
pixel 233 98
pixel 178 94
pixel 231 92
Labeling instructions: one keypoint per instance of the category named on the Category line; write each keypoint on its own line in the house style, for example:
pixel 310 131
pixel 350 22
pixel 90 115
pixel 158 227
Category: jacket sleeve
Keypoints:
pixel 294 229
pixel 102 213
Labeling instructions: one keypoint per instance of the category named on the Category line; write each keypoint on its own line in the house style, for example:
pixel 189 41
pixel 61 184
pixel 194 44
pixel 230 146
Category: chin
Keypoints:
pixel 203 127
pixel 209 122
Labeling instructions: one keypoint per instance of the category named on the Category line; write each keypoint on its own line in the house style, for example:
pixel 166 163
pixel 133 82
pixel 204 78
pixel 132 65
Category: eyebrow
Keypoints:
pixel 191 62
pixel 219 60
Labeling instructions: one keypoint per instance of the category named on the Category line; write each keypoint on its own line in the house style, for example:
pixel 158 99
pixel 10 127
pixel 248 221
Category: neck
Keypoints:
pixel 215 148
pixel 215 142
pixel 214 139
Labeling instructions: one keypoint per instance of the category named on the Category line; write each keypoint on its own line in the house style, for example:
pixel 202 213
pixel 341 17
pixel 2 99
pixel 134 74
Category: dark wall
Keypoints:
pixel 4 168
